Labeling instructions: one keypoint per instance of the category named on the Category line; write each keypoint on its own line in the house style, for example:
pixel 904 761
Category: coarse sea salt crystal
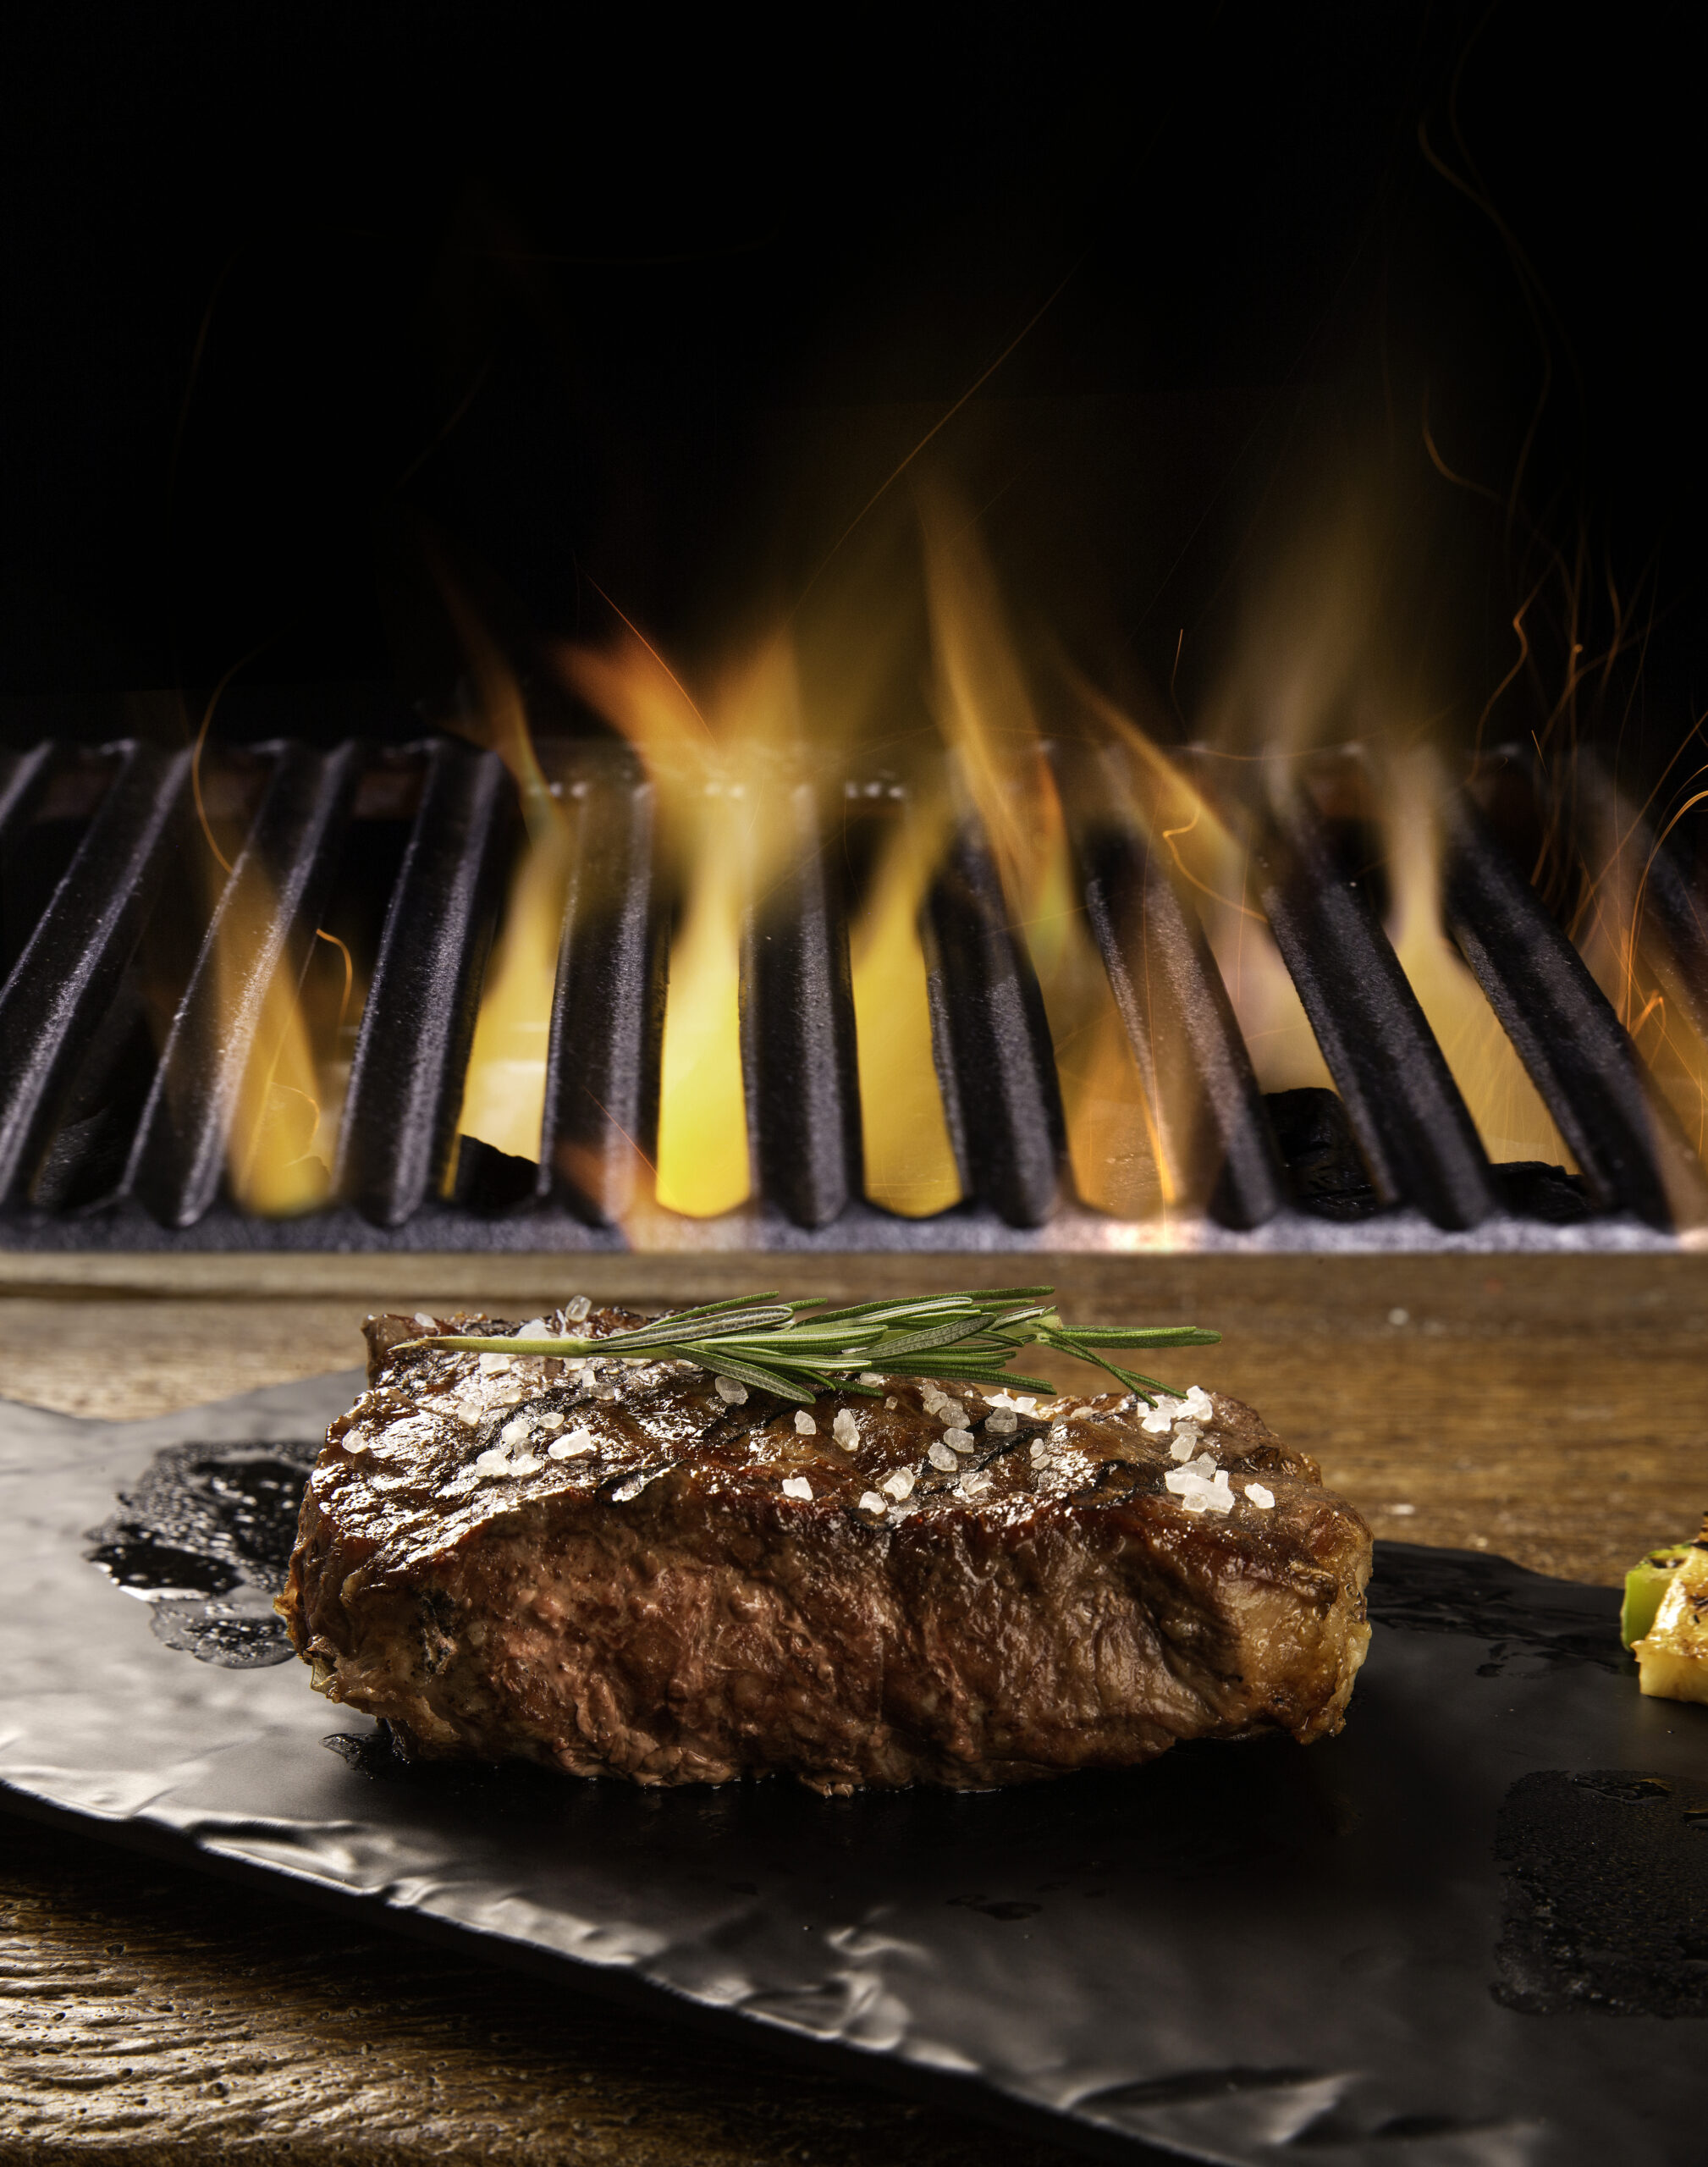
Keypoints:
pixel 516 1432
pixel 552 1418
pixel 527 1464
pixel 1261 1496
pixel 535 1328
pixel 1002 1422
pixel 899 1484
pixel 422 1318
pixel 797 1485
pixel 869 1377
pixel 959 1441
pixel 805 1424
pixel 730 1390
pixel 952 1412
pixel 870 1502
pixel 892 1402
pixel 577 1308
pixel 845 1429
pixel 940 1456
pixel 1160 1419
pixel 974 1483
pixel 575 1445
pixel 493 1365
pixel 1197 1405
pixel 1195 1493
pixel 1040 1451
pixel 493 1461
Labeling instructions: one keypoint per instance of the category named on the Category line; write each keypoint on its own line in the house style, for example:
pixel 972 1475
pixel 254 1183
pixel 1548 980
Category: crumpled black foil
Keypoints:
pixel 1471 1931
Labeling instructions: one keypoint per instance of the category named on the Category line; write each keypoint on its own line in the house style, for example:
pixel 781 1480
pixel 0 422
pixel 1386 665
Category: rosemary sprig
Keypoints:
pixel 799 1349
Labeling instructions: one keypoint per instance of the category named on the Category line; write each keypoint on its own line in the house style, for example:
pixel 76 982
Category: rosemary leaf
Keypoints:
pixel 798 1349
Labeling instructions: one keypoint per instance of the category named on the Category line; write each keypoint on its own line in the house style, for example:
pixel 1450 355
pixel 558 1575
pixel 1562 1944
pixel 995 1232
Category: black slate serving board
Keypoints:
pixel 1471 1931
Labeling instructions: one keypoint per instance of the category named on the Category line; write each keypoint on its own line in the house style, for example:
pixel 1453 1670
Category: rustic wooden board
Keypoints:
pixel 158 2016
pixel 1549 1408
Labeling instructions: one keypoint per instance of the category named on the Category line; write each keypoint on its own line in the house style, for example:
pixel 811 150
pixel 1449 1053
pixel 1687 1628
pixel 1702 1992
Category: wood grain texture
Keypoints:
pixel 150 2014
pixel 1551 1409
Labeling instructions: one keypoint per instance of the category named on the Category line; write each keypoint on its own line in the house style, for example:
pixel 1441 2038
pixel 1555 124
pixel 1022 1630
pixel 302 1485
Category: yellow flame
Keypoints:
pixel 985 709
pixel 715 774
pixel 505 1088
pixel 910 1158
pixel 703 1163
pixel 278 1160
pixel 505 1084
pixel 1510 1116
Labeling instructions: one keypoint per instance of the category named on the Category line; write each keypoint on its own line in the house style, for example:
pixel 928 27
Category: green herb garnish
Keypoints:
pixel 797 1350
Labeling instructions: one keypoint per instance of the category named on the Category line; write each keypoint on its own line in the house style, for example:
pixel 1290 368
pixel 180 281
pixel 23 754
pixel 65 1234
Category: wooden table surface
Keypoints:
pixel 1551 1408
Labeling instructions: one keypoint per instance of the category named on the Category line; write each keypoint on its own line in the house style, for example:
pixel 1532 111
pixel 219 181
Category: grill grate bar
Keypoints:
pixel 797 1030
pixel 1172 1001
pixel 991 1038
pixel 22 775
pixel 66 978
pixel 1413 1126
pixel 407 1077
pixel 91 1120
pixel 261 928
pixel 608 1009
pixel 1566 1033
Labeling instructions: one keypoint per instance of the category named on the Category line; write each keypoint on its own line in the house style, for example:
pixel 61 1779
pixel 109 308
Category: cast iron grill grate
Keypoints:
pixel 144 987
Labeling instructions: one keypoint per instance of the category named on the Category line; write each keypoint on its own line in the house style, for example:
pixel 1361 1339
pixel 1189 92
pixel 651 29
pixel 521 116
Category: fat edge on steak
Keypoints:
pixel 617 1570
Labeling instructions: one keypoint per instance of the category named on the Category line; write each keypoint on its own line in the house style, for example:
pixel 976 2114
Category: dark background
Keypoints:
pixel 298 296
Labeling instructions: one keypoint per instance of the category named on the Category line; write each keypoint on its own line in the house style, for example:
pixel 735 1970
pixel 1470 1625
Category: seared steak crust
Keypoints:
pixel 624 1573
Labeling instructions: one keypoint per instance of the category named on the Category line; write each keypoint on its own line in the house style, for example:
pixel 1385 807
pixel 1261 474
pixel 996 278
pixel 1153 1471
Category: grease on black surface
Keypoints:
pixel 204 1539
pixel 1607 1894
pixel 1519 1612
pixel 1180 1819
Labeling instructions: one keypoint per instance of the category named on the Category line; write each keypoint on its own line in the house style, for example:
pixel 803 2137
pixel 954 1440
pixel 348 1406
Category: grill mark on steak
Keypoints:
pixel 658 1607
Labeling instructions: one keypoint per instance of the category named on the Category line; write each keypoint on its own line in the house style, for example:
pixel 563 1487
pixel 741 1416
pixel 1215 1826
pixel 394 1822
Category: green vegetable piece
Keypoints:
pixel 1644 1585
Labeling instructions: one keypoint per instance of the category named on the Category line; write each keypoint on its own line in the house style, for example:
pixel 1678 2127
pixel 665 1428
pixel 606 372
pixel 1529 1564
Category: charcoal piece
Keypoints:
pixel 1324 1169
pixel 1530 1189
pixel 488 1180
pixel 1607 1894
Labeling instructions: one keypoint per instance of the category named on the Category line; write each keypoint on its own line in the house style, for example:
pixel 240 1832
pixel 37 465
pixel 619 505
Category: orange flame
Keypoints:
pixel 1510 1116
pixel 1633 964
pixel 985 710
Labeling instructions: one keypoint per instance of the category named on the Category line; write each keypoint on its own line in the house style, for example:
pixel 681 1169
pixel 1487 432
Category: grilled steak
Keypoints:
pixel 635 1570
